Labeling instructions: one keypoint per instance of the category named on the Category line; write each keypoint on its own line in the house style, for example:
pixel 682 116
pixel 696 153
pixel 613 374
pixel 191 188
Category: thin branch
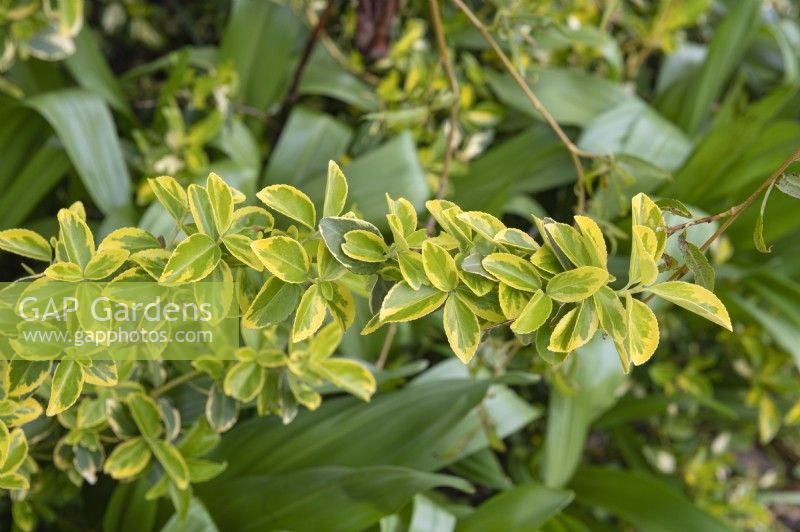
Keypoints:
pixel 575 153
pixel 731 214
pixel 387 345
pixel 174 383
pixel 441 44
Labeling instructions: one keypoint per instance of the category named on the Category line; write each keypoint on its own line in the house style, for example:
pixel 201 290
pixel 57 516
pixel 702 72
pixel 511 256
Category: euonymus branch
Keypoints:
pixel 292 285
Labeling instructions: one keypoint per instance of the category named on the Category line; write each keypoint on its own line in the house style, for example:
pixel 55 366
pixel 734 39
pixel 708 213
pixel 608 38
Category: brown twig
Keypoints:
pixel 441 44
pixel 731 214
pixel 575 153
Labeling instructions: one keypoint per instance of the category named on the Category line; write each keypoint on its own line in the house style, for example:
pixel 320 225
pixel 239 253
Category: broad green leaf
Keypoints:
pixel 219 193
pixel 461 328
pixel 575 329
pixel 697 263
pixel 25 376
pixel 274 303
pixel 486 307
pixel 695 299
pixel 514 271
pixel 789 184
pixel 403 303
pixel 348 375
pixel 284 257
pixel 412 268
pixel 364 246
pixel 674 206
pixel 439 266
pixel 244 381
pixel 512 301
pixel 240 247
pixel 310 314
pixel 131 239
pixel 290 202
pixel 76 238
pixel 153 261
pixel 611 313
pixel 567 241
pixel 104 263
pixel 101 373
pixel 64 271
pixel 145 413
pixel 341 305
pixel 593 241
pixel 192 260
pixel 324 343
pixel 128 459
pixel 534 315
pixel 643 335
pixel 333 230
pixel 328 268
pixel 171 195
pixel 25 243
pixel 196 519
pixel 172 461
pixel 546 261
pixel 335 191
pixel 202 211
pixel 66 387
pixel 643 500
pixel 523 507
pixel 576 285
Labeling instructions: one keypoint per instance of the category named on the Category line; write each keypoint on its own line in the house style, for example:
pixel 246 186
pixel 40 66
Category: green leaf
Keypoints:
pixel 131 239
pixel 310 314
pixel 244 381
pixel 674 206
pixel 341 305
pixel 593 241
pixel 17 452
pixel 85 126
pixel 274 303
pixel 145 413
pixel 335 191
pixel 461 328
pixel 196 519
pixel 512 301
pixel 66 388
pixel 517 239
pixel 64 271
pixel 25 243
pixel 128 459
pixel 403 303
pixel 758 231
pixel 104 263
pixel 789 184
pixel 611 313
pixel 523 507
pixel 643 268
pixel 172 461
pixel 284 257
pixel 514 271
pixel 76 237
pixel 412 268
pixel 290 202
pixel 575 329
pixel 202 211
pixel 642 500
pixel 567 242
pixel 333 230
pixel 171 195
pixel 534 315
pixel 348 375
pixel 695 299
pixel 577 285
pixel 439 266
pixel 364 246
pixel 697 263
pixel 642 327
pixel 219 193
pixel 193 260
pixel 482 223
pixel 240 247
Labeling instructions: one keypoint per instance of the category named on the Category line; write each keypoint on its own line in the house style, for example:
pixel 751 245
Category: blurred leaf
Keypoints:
pixel 430 517
pixel 197 520
pixel 642 500
pixel 322 498
pixel 596 375
pixel 91 70
pixel 524 507
pixel 789 184
pixel 84 125
pixel 128 510
pixel 323 76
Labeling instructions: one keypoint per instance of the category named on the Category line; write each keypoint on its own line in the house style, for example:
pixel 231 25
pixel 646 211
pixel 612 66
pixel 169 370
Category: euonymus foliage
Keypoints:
pixel 294 284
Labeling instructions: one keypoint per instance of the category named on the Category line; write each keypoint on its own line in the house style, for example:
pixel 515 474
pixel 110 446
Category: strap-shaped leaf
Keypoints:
pixel 574 329
pixel 290 202
pixel 461 328
pixel 403 303
pixel 642 328
pixel 25 243
pixel 576 285
pixel 335 191
pixel 439 266
pixel 192 260
pixel 695 299
pixel 514 271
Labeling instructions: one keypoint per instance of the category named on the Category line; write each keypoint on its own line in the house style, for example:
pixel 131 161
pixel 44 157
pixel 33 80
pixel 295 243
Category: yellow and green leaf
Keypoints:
pixel 193 259
pixel 403 303
pixel 534 315
pixel 642 328
pixel 576 285
pixel 365 246
pixel 25 243
pixel 439 266
pixel 335 191
pixel 512 270
pixel 284 257
pixel 310 314
pixel 694 298
pixel 290 202
pixel 461 328
pixel 574 329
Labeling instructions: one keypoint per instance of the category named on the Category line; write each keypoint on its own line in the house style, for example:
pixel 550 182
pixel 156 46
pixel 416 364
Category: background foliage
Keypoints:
pixel 693 100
